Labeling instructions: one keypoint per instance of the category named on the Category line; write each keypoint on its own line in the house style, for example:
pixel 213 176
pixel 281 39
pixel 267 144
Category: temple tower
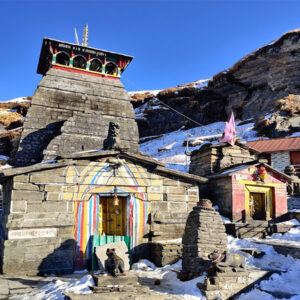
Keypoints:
pixel 79 95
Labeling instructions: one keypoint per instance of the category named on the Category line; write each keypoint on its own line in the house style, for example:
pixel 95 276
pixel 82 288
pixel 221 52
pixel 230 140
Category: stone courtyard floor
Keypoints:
pixel 23 287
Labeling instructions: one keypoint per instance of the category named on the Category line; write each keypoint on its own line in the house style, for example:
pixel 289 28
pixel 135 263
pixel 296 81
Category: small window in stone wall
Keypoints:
pixel 62 58
pixel 79 62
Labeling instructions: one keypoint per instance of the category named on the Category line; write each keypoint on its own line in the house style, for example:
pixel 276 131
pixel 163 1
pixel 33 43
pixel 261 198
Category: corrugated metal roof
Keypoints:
pixel 274 145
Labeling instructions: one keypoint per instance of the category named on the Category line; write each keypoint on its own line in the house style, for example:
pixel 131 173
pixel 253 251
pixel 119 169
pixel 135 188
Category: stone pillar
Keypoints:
pixel 204 233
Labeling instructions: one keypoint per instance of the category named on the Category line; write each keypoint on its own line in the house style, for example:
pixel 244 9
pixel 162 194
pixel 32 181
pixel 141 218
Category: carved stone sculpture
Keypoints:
pixel 294 186
pixel 112 142
pixel 220 260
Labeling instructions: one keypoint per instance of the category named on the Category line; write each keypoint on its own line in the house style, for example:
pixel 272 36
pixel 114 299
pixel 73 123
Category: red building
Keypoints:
pixel 253 191
pixel 244 187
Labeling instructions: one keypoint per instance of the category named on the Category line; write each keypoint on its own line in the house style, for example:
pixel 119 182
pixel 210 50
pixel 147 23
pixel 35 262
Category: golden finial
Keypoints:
pixel 85 36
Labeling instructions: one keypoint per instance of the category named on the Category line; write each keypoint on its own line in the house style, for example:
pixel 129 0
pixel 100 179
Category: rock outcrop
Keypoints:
pixel 265 81
pixel 12 116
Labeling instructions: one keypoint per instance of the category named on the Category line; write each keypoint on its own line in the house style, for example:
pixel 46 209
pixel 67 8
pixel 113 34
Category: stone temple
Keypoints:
pixel 79 180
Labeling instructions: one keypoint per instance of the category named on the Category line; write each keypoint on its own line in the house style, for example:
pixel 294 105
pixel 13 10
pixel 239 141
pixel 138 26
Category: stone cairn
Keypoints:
pixel 204 233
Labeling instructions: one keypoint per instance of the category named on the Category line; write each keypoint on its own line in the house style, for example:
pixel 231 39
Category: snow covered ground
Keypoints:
pixel 286 280
pixel 169 148
pixel 54 290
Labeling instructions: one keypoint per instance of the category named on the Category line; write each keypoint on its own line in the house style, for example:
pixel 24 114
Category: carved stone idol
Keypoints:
pixel 294 186
pixel 112 142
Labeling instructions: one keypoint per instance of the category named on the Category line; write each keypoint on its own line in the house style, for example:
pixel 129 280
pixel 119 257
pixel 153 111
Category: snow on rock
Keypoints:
pixel 292 235
pixel 170 284
pixel 54 290
pixel 143 264
pixel 19 99
pixel 172 143
pixel 3 157
pixel 286 281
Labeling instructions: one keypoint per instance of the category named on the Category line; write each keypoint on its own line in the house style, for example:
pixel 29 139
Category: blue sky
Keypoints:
pixel 172 42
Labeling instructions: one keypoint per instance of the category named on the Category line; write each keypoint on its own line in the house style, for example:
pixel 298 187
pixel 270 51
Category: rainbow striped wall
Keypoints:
pixel 98 180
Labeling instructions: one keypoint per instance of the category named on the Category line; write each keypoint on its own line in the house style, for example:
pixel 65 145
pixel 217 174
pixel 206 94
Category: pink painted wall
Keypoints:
pixel 238 192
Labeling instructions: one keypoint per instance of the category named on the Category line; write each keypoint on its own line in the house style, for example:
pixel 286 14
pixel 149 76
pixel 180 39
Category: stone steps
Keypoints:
pixel 257 229
pixel 125 287
pixel 230 284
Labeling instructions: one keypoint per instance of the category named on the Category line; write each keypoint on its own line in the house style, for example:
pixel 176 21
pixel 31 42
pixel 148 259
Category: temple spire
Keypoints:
pixel 85 36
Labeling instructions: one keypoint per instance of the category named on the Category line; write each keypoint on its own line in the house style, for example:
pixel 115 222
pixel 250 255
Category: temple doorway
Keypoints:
pixel 257 206
pixel 112 216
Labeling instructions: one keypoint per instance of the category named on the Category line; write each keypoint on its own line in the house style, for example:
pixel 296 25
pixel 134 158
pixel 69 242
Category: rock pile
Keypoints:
pixel 204 233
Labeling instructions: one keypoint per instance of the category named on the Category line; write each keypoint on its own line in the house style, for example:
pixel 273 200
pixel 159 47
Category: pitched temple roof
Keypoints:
pixel 70 159
pixel 232 170
pixel 274 145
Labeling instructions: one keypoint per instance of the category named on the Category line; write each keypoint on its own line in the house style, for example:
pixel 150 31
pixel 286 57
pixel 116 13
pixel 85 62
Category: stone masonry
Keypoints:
pixel 213 158
pixel 204 233
pixel 279 160
pixel 38 219
pixel 71 112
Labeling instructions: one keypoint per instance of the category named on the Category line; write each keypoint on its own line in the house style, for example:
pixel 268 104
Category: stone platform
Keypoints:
pixel 255 229
pixel 229 284
pixel 284 247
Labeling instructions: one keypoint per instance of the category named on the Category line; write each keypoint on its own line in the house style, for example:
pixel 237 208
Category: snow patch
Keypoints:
pixel 54 290
pixel 175 156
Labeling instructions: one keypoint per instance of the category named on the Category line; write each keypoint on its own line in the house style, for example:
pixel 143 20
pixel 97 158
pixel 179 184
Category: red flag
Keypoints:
pixel 229 132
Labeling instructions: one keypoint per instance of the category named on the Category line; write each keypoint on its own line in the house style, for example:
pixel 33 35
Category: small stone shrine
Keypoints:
pixel 204 233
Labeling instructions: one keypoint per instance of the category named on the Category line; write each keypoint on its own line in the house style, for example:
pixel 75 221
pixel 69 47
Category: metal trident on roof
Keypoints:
pixel 85 35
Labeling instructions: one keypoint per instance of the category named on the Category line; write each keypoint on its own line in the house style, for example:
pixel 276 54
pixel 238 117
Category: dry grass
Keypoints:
pixel 168 91
pixel 141 97
pixel 8 118
pixel 11 134
pixel 19 110
pixel 289 104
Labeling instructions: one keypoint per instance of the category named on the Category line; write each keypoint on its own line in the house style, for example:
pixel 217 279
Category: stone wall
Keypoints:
pixel 71 112
pixel 167 253
pixel 221 191
pixel 279 160
pixel 40 208
pixel 38 229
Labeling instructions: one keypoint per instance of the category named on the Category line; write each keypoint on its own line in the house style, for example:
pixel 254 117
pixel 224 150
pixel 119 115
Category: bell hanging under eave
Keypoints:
pixel 116 201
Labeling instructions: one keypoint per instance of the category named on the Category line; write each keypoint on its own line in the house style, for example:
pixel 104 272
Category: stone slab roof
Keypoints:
pixel 70 159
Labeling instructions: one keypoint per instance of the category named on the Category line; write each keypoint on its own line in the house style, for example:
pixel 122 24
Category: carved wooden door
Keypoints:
pixel 113 216
pixel 258 206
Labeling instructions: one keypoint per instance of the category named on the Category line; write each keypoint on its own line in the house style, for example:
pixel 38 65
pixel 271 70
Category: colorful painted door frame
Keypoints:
pixel 87 214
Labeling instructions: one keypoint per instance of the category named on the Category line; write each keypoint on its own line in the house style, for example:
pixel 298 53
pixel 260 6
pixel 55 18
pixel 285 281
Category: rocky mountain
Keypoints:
pixel 12 116
pixel 263 86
